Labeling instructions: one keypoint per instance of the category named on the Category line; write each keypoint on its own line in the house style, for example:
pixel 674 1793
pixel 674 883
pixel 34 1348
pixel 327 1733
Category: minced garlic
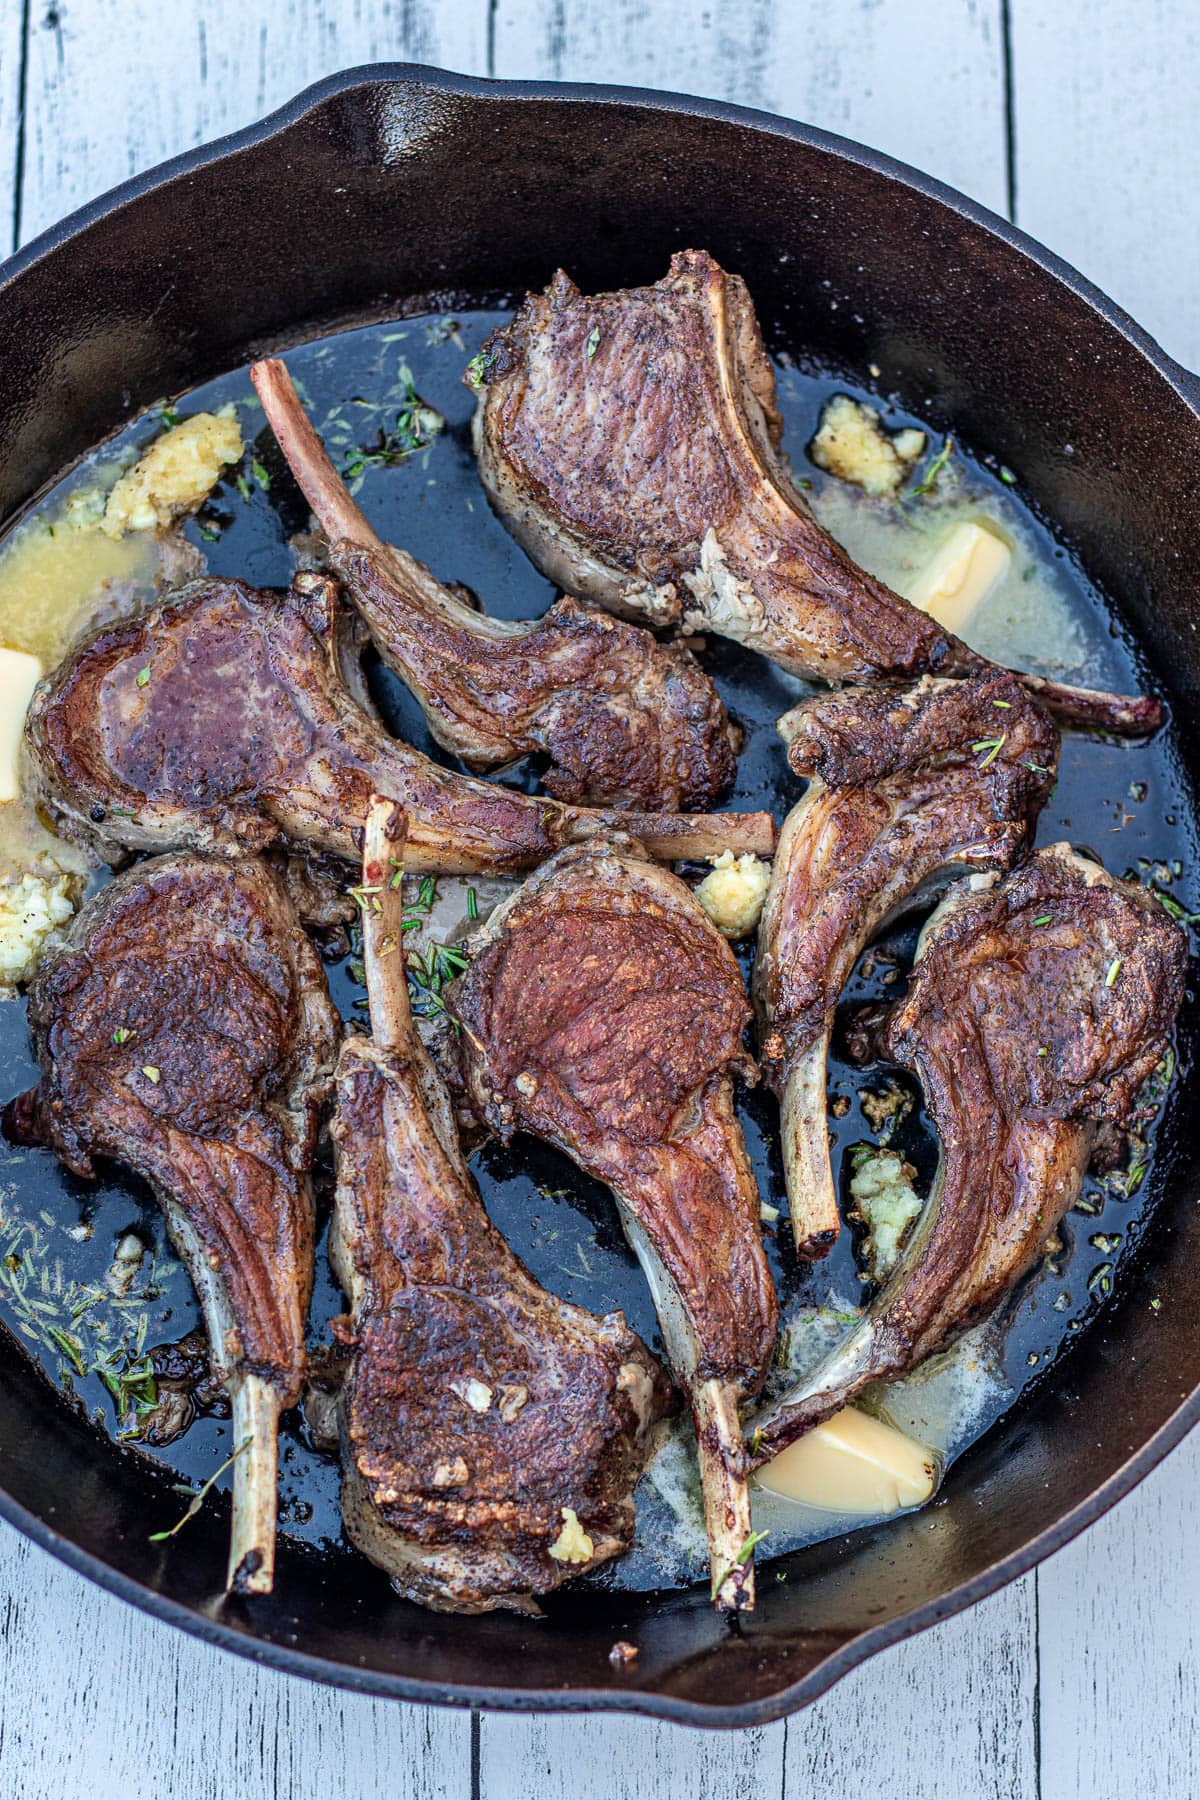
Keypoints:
pixel 852 444
pixel 474 1393
pixel 733 894
pixel 33 908
pixel 572 1545
pixel 176 473
pixel 882 1190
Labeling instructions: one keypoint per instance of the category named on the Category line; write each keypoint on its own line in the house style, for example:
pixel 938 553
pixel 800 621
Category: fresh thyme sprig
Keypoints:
pixel 430 970
pixel 396 427
pixel 479 368
pixel 197 1501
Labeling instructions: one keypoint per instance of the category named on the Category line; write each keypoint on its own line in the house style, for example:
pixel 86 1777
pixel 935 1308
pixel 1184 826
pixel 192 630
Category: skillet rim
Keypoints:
pixel 858 1648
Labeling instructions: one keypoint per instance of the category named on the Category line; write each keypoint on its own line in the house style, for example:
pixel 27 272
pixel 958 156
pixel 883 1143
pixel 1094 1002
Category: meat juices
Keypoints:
pixel 630 442
pixel 602 1012
pixel 623 719
pixel 905 786
pixel 1039 1004
pixel 184 1029
pixel 491 1433
pixel 226 719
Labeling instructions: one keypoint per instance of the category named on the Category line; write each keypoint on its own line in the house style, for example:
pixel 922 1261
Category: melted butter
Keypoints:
pixel 28 848
pixel 854 1465
pixel 56 574
pixel 966 565
pixel 1025 618
pixel 59 574
pixel 19 675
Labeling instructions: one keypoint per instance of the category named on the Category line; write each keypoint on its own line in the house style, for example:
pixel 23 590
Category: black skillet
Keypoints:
pixel 395 181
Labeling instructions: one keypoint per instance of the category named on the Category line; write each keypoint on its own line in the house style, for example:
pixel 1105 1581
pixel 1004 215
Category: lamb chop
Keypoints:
pixel 222 719
pixel 630 441
pixel 491 1433
pixel 1038 1006
pixel 906 784
pixel 184 1029
pixel 602 1012
pixel 624 720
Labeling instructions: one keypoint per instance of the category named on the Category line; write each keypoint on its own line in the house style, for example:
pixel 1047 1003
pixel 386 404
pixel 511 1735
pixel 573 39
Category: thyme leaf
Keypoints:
pixel 991 748
pixel 479 368
pixel 926 485
pixel 739 1562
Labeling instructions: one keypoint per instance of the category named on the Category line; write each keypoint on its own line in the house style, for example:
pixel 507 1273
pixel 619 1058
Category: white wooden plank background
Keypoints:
pixel 1080 1680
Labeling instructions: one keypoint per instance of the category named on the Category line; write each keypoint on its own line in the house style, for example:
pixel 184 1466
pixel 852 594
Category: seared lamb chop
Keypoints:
pixel 630 441
pixel 602 1012
pixel 624 720
pixel 491 1433
pixel 1038 1006
pixel 222 720
pixel 184 1029
pixel 906 784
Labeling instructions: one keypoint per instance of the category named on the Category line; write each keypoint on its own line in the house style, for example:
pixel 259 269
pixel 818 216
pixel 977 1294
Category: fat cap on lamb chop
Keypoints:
pixel 624 720
pixel 491 1433
pixel 630 442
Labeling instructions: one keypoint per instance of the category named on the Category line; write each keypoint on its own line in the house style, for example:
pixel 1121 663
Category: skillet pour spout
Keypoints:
pixel 419 183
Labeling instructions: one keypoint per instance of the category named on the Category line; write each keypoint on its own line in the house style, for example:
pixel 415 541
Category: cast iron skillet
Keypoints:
pixel 393 181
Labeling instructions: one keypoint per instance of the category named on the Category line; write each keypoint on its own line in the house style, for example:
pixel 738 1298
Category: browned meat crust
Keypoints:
pixel 221 720
pixel 630 441
pixel 478 1407
pixel 624 720
pixel 906 785
pixel 1039 1005
pixel 184 1029
pixel 602 1012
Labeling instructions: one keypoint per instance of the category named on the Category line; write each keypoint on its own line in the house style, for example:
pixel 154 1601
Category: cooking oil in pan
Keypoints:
pixel 88 1280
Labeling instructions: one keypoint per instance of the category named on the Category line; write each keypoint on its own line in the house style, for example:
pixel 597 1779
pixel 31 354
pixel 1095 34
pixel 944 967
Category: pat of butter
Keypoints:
pixel 962 571
pixel 19 675
pixel 853 1463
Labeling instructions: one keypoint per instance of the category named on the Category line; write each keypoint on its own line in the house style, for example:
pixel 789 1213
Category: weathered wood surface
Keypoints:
pixel 1107 167
pixel 1078 1681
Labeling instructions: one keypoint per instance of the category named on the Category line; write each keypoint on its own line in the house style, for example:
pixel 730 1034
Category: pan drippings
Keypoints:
pixel 1125 801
